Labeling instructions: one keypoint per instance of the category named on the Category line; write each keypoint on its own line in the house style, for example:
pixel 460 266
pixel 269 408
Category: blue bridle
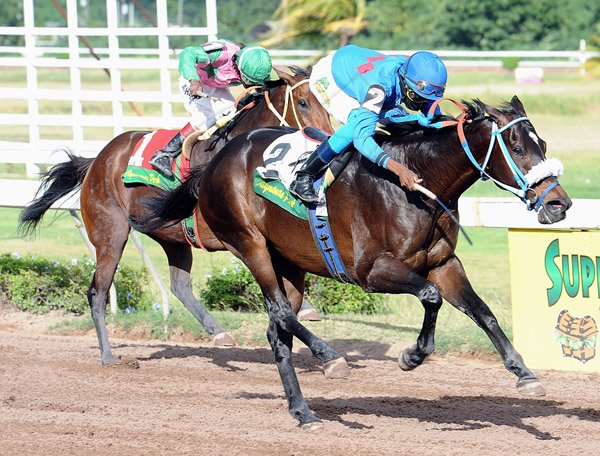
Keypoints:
pixel 524 187
pixel 520 179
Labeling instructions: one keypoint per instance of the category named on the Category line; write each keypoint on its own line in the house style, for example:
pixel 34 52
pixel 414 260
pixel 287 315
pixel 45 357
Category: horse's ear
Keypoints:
pixel 491 111
pixel 516 103
pixel 285 75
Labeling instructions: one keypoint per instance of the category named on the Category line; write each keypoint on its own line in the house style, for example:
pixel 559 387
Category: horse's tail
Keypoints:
pixel 171 207
pixel 59 181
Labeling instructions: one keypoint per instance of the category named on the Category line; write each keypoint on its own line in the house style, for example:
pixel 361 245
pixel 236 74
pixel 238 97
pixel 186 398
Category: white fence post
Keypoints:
pixel 74 71
pixel 211 19
pixel 164 52
pixel 32 104
pixel 582 57
pixel 112 22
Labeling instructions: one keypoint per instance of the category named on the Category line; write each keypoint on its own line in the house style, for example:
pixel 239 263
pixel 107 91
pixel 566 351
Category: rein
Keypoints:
pixel 289 100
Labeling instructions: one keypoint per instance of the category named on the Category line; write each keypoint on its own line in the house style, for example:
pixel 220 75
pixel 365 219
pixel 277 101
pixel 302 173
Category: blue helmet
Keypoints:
pixel 424 73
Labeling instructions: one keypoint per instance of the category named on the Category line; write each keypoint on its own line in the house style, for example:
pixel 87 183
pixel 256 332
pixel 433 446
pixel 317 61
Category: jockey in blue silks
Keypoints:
pixel 359 86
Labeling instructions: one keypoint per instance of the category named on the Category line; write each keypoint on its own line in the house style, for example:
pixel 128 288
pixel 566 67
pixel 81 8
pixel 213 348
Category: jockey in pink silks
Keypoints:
pixel 206 72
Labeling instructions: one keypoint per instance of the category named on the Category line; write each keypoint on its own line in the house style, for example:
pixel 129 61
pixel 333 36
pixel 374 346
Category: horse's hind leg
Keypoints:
pixel 180 264
pixel 456 289
pixel 293 285
pixel 109 250
pixel 283 324
pixel 406 280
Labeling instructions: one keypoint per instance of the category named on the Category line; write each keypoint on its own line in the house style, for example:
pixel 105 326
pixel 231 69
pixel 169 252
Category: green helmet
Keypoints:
pixel 254 63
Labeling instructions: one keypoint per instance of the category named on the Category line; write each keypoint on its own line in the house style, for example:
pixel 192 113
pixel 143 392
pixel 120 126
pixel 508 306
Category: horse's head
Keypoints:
pixel 516 161
pixel 300 108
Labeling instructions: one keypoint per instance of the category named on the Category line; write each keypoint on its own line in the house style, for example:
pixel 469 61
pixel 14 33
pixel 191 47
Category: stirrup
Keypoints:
pixel 162 161
pixel 306 194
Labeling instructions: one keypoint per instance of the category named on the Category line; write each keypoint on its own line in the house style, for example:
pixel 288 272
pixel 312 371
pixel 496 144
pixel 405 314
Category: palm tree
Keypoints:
pixel 295 18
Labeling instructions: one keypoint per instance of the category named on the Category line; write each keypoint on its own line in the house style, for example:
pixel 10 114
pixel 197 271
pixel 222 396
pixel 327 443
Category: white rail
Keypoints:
pixel 474 212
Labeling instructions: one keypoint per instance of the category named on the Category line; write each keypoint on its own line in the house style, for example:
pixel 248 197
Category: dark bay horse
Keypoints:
pixel 107 204
pixel 391 240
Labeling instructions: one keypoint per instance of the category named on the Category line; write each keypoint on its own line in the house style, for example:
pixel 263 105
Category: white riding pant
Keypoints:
pixel 337 103
pixel 205 112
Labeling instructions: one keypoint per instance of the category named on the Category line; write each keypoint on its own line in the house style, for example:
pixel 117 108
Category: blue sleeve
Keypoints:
pixel 364 122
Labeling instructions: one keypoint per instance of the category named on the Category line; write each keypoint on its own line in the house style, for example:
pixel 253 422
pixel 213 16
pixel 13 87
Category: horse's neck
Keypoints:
pixel 443 164
pixel 261 115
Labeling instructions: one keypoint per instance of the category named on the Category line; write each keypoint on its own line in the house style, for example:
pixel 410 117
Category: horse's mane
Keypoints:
pixel 476 110
pixel 408 142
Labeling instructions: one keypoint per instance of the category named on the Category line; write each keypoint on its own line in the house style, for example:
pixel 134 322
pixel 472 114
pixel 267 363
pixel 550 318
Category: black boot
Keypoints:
pixel 302 186
pixel 163 158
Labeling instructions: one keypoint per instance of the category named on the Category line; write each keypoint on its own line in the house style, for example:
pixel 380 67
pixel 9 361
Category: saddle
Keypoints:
pixel 190 142
pixel 140 172
pixel 283 158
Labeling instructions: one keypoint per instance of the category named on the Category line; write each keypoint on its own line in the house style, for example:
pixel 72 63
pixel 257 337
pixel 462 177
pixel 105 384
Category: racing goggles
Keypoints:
pixel 414 96
pixel 427 88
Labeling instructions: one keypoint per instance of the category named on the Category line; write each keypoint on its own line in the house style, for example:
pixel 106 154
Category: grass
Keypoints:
pixel 565 111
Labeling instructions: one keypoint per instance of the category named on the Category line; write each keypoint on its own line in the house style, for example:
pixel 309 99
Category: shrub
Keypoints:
pixel 39 284
pixel 234 288
pixel 331 296
pixel 510 63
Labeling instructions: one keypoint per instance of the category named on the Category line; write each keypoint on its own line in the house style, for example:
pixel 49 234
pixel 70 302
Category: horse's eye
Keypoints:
pixel 518 151
pixel 302 103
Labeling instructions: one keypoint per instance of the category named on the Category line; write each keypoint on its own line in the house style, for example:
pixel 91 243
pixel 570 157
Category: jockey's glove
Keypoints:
pixel 423 119
pixel 396 115
pixel 195 87
pixel 407 178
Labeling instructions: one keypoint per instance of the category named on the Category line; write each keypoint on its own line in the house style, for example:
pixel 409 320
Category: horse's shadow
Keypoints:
pixel 450 413
pixel 354 351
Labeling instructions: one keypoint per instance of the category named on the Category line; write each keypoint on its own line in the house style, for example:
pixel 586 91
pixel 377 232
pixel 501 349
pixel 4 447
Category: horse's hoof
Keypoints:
pixel 312 426
pixel 531 387
pixel 404 363
pixel 224 340
pixel 309 315
pixel 125 362
pixel 337 368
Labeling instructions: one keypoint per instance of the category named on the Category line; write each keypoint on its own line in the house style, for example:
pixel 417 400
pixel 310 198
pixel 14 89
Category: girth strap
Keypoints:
pixel 325 243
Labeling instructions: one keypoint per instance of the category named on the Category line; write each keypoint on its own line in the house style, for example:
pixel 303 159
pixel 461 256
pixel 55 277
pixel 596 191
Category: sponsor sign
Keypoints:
pixel 555 288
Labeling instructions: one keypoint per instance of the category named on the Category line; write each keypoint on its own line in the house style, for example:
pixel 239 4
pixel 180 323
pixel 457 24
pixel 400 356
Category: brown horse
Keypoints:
pixel 391 240
pixel 107 204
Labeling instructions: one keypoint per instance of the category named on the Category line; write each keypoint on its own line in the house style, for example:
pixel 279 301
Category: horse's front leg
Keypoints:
pixel 390 275
pixel 457 290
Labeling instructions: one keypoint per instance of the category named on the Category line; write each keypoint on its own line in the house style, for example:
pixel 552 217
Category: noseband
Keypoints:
pixel 526 193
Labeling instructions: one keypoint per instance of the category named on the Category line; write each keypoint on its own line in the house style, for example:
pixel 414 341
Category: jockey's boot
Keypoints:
pixel 163 158
pixel 302 186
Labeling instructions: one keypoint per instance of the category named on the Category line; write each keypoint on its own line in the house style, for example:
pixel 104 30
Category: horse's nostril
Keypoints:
pixel 556 206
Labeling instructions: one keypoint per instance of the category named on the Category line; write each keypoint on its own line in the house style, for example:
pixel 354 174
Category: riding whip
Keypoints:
pixel 428 193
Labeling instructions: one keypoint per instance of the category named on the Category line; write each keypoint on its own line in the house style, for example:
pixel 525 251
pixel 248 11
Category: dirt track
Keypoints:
pixel 55 398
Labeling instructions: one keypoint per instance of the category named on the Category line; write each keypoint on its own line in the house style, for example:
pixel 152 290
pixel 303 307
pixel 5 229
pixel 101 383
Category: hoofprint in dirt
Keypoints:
pixel 198 399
